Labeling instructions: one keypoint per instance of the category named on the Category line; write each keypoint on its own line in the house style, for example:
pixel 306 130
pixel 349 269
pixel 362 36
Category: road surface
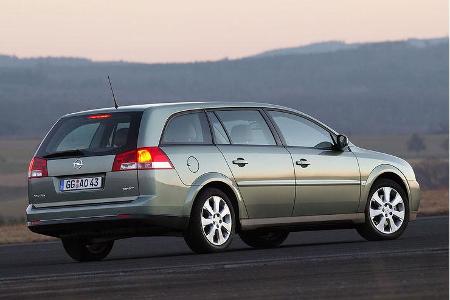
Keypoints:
pixel 322 264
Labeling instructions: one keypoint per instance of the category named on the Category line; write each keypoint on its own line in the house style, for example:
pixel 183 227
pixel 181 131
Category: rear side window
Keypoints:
pixel 90 135
pixel 246 127
pixel 189 128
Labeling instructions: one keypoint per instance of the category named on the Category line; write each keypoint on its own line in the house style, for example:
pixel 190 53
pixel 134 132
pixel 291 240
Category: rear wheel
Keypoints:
pixel 212 222
pixel 386 213
pixel 263 239
pixel 83 251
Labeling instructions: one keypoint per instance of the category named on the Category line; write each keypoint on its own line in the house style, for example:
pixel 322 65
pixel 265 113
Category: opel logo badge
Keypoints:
pixel 77 164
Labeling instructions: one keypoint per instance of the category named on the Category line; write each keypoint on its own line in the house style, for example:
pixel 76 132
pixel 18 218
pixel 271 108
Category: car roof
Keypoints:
pixel 180 106
pixel 170 108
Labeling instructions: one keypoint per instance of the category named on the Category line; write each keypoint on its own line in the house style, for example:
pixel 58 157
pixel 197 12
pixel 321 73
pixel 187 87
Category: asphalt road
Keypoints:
pixel 321 264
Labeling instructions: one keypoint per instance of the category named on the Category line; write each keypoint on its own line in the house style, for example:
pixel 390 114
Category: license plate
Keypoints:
pixel 85 183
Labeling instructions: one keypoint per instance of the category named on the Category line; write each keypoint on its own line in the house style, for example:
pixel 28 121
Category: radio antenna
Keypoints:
pixel 112 92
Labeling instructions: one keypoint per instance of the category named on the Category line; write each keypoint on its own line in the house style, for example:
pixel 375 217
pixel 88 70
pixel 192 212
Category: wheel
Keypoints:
pixel 263 239
pixel 212 222
pixel 386 213
pixel 82 251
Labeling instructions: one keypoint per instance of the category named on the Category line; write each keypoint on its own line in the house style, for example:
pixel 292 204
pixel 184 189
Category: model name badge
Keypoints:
pixel 128 188
pixel 39 195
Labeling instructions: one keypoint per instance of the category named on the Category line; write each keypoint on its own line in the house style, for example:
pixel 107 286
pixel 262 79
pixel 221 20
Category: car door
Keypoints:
pixel 262 169
pixel 327 180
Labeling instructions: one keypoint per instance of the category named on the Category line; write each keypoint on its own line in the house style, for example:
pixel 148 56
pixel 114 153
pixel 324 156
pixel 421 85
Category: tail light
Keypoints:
pixel 147 158
pixel 37 168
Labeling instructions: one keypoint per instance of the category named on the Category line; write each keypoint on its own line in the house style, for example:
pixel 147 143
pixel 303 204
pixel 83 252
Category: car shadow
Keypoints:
pixel 240 248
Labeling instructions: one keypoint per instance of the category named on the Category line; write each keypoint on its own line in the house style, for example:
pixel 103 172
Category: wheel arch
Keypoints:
pixel 383 172
pixel 222 182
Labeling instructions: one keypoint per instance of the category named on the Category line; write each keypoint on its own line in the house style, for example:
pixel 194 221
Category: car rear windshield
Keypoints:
pixel 91 135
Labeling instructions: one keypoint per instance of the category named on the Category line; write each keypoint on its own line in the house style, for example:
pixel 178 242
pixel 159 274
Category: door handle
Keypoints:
pixel 302 163
pixel 240 162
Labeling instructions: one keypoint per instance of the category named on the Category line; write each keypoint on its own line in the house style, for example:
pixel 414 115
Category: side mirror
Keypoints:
pixel 341 142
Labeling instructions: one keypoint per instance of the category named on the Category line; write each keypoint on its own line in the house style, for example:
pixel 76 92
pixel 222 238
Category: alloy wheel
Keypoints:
pixel 387 210
pixel 216 220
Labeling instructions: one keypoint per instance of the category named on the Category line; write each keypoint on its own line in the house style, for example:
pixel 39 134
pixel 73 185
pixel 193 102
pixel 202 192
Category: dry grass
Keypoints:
pixel 434 202
pixel 19 233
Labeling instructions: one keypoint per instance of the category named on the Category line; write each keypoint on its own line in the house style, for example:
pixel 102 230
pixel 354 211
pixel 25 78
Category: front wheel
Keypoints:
pixel 212 222
pixel 386 213
pixel 83 251
pixel 263 239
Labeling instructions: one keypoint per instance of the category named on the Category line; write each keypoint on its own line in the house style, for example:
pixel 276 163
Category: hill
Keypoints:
pixel 376 88
pixel 332 46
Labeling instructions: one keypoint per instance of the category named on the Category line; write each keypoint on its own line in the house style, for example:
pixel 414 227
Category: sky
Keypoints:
pixel 199 30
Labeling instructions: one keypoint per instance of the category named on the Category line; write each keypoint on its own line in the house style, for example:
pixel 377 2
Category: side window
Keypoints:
pixel 190 128
pixel 301 132
pixel 220 136
pixel 246 127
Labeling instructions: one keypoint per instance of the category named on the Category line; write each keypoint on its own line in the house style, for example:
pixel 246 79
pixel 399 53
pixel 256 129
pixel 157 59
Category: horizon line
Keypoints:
pixel 91 60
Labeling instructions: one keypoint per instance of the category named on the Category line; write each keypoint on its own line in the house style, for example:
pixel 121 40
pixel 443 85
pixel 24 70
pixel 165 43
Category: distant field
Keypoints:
pixel 16 154
pixel 431 167
pixel 398 145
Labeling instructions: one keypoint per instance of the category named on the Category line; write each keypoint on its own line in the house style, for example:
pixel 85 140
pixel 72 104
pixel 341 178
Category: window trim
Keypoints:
pixel 212 129
pixel 185 112
pixel 331 133
pixel 278 141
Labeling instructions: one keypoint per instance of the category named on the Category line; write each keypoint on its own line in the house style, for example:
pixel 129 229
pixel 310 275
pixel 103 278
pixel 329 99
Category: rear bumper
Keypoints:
pixel 139 217
pixel 110 227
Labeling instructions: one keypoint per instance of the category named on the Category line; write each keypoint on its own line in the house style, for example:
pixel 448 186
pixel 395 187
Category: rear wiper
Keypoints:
pixel 67 153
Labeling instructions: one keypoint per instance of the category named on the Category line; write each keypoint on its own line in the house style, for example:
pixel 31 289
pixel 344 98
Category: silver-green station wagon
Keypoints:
pixel 206 171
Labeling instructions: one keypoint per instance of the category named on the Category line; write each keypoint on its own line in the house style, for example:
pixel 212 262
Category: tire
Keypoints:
pixel 263 239
pixel 82 251
pixel 385 220
pixel 212 222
